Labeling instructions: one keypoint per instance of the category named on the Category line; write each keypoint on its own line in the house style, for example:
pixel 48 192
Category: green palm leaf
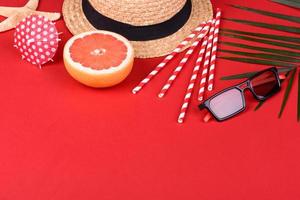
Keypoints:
pixel 238 76
pixel 259 105
pixel 274 43
pixel 290 29
pixel 287 93
pixel 269 36
pixel 271 14
pixel 259 62
pixel 288 3
pixel 263 49
pixel 249 74
pixel 263 56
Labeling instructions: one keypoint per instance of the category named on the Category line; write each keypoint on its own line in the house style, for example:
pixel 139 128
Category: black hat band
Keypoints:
pixel 138 33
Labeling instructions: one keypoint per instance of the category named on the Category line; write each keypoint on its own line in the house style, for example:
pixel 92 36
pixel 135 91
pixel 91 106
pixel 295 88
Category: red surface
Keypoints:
pixel 62 140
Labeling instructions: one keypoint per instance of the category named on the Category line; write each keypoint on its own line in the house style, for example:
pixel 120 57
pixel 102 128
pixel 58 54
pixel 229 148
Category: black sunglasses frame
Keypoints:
pixel 242 87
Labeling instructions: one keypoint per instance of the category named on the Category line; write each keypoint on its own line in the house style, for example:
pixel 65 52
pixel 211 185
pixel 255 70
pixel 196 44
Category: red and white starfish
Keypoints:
pixel 16 14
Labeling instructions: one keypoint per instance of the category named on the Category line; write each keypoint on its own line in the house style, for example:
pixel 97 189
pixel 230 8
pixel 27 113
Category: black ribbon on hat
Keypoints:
pixel 138 33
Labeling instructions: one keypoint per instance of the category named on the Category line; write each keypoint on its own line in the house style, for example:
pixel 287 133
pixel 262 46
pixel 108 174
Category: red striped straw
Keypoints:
pixel 214 52
pixel 184 60
pixel 193 79
pixel 169 57
pixel 206 62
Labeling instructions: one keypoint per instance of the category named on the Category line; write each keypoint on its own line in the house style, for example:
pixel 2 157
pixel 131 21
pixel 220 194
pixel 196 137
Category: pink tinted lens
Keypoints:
pixel 264 84
pixel 227 103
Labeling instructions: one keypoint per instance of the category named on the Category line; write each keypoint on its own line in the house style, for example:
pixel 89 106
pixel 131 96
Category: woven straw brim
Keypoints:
pixel 139 12
pixel 201 11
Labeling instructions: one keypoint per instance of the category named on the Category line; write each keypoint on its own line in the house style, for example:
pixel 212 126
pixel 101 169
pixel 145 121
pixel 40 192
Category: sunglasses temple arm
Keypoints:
pixel 207 117
pixel 282 77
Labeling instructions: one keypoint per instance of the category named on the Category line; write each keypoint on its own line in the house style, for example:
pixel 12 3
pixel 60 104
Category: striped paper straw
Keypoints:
pixel 214 52
pixel 184 60
pixel 193 79
pixel 169 57
pixel 206 62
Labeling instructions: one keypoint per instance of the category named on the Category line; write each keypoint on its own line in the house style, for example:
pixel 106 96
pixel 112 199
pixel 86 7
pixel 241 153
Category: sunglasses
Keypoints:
pixel 231 101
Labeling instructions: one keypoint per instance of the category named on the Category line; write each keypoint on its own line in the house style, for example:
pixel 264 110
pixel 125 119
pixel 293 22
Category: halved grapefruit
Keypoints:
pixel 98 58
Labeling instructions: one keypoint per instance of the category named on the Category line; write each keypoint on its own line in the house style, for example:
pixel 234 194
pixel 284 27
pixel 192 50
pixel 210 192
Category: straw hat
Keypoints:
pixel 155 27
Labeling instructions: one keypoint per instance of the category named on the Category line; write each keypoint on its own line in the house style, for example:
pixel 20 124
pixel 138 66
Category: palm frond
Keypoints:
pixel 249 74
pixel 263 49
pixel 269 56
pixel 263 56
pixel 290 3
pixel 290 29
pixel 268 36
pixel 259 105
pixel 259 62
pixel 274 43
pixel 287 93
pixel 270 14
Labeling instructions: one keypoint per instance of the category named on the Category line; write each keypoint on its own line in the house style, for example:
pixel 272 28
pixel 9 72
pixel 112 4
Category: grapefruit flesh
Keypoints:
pixel 98 58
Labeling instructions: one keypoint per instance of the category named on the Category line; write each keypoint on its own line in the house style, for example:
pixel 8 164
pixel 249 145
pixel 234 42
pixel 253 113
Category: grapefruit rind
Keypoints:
pixel 99 78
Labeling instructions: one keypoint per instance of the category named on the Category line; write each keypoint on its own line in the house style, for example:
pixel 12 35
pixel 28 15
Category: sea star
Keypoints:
pixel 16 14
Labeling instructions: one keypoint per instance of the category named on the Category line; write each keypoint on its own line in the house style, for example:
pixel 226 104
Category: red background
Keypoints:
pixel 62 140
